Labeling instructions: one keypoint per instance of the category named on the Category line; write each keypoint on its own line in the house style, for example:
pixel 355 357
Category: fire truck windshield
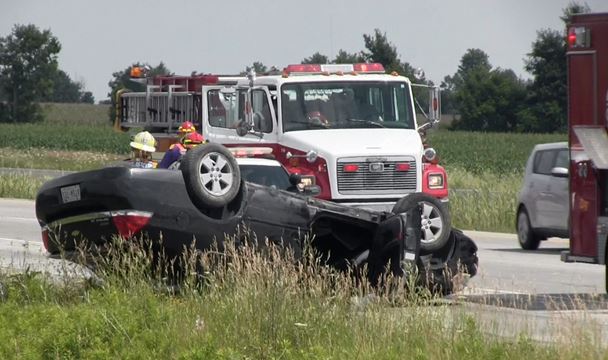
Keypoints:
pixel 345 105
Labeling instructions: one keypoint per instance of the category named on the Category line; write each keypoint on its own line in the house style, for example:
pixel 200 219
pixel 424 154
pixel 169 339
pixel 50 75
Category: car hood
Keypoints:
pixel 356 142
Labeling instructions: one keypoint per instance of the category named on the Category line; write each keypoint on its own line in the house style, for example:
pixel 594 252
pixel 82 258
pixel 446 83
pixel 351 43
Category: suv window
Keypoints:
pixel 562 159
pixel 546 160
pixel 543 162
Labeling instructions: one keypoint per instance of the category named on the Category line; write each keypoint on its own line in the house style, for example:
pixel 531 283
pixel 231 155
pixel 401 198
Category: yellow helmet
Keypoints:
pixel 144 141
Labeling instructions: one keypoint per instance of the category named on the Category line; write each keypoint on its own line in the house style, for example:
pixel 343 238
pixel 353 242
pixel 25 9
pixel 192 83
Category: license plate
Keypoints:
pixel 70 193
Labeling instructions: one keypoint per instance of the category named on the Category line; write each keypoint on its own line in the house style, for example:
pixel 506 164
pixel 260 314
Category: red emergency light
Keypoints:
pixel 303 68
pixel 579 36
pixel 350 168
pixel 369 68
pixel 402 167
pixel 339 69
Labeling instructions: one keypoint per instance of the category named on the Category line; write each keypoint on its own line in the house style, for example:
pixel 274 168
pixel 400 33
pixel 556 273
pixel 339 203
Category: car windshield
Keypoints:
pixel 266 175
pixel 343 105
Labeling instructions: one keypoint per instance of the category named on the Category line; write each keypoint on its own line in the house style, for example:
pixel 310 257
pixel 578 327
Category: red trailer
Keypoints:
pixel 587 58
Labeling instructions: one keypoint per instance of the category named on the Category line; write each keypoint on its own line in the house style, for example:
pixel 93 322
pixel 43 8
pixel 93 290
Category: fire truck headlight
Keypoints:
pixel 435 181
pixel 308 180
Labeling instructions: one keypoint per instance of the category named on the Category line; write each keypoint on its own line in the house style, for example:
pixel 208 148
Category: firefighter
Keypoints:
pixel 184 129
pixel 142 147
pixel 177 150
pixel 175 153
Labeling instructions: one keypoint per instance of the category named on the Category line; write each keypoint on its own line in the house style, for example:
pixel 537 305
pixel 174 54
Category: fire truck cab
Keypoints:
pixel 351 129
pixel 587 58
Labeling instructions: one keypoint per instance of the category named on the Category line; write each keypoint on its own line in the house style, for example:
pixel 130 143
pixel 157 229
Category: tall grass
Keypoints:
pixel 20 186
pixel 250 304
pixel 498 153
pixel 484 201
pixel 64 138
pixel 76 114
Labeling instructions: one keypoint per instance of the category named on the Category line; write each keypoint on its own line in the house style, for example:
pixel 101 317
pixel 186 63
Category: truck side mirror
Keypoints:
pixel 242 128
pixel 295 179
pixel 312 190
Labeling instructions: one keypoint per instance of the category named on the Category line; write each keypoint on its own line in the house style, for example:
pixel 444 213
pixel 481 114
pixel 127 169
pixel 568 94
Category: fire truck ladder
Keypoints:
pixel 158 109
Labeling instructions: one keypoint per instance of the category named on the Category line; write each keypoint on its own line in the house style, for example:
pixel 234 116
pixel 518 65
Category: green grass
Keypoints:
pixel 254 306
pixel 498 153
pixel 65 138
pixel 36 158
pixel 483 201
pixel 19 186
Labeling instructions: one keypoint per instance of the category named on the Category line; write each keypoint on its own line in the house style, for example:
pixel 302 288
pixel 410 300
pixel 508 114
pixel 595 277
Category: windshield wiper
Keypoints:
pixel 370 122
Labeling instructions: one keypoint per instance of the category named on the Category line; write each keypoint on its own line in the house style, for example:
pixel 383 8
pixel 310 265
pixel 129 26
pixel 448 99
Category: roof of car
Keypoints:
pixel 257 161
pixel 549 146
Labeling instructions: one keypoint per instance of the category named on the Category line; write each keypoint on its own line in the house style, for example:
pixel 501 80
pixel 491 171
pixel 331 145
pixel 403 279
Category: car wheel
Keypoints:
pixel 525 235
pixel 436 222
pixel 212 175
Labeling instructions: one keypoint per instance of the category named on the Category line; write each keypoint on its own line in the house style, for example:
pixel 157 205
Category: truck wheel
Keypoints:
pixel 212 175
pixel 525 235
pixel 436 220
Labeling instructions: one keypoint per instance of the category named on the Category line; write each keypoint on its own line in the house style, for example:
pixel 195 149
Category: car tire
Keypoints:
pixel 212 176
pixel 436 220
pixel 525 235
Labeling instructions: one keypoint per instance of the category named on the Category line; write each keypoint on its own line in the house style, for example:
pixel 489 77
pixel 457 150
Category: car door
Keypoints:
pixel 541 199
pixel 557 198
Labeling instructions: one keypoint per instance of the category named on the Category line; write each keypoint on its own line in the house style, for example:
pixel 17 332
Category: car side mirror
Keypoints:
pixel 560 172
pixel 295 179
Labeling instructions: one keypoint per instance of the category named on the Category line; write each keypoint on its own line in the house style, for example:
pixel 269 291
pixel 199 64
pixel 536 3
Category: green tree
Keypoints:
pixel 487 99
pixel 87 98
pixel 316 58
pixel 28 60
pixel 382 51
pixel 344 57
pixel 260 68
pixel 122 80
pixel 546 101
pixel 64 89
pixel 573 8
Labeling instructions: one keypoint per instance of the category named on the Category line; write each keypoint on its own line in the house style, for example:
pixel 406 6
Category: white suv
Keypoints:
pixel 543 205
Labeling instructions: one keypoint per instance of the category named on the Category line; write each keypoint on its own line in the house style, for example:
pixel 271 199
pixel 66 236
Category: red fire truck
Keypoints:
pixel 588 140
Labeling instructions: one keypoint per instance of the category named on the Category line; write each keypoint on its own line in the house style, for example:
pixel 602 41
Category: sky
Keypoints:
pixel 223 37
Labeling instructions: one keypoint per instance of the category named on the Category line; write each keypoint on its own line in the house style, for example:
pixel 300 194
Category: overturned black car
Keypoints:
pixel 207 201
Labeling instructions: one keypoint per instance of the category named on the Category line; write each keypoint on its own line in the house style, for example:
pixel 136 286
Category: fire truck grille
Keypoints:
pixel 376 176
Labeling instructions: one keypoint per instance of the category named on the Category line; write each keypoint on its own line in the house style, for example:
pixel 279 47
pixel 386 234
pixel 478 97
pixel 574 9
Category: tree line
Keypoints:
pixel 482 97
pixel 29 74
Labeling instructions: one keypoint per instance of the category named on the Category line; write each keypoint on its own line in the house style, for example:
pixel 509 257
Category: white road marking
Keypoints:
pixel 485 291
pixel 15 218
pixel 23 242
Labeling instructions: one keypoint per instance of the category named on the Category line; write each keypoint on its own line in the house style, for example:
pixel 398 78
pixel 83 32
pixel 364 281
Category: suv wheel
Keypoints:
pixel 525 235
